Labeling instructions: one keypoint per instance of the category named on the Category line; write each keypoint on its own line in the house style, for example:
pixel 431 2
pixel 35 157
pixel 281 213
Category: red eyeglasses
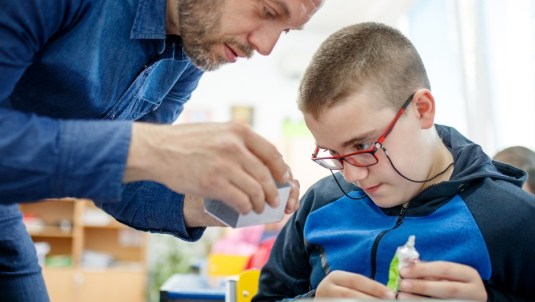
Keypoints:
pixel 362 158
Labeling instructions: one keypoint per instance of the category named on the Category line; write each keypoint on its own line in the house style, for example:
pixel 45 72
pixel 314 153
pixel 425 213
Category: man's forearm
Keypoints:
pixel 141 152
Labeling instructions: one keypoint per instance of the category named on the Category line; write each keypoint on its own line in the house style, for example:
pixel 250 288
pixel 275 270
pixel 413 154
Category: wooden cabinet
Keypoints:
pixel 123 280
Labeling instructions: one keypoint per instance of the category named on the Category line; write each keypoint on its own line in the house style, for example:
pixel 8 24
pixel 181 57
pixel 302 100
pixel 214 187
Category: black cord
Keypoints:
pixel 391 163
pixel 417 181
pixel 365 195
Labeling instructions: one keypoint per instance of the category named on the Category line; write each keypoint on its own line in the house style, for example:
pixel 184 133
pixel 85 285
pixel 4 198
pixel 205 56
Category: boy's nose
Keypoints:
pixel 353 174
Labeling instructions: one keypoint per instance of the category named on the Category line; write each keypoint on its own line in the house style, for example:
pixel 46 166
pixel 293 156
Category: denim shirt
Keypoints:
pixel 74 74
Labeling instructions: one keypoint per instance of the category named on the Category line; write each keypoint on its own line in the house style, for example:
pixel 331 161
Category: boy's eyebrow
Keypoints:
pixel 362 137
pixel 354 140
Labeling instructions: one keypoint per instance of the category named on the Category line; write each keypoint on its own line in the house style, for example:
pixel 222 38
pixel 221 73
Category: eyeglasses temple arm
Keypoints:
pixel 389 129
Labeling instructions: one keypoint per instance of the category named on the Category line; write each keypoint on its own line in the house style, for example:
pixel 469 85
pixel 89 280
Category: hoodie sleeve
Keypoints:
pixel 287 272
pixel 504 214
pixel 495 294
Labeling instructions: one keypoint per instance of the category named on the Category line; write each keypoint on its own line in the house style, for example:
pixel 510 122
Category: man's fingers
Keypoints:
pixel 293 200
pixel 250 187
pixel 261 175
pixel 236 198
pixel 268 154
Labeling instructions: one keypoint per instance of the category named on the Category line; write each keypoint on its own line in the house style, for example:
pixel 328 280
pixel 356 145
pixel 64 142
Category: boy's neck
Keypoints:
pixel 442 159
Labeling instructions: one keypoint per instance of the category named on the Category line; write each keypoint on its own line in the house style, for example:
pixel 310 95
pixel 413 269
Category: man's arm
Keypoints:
pixel 41 157
pixel 45 158
pixel 149 206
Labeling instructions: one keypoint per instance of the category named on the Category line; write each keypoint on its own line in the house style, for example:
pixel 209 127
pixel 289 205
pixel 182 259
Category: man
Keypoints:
pixel 74 74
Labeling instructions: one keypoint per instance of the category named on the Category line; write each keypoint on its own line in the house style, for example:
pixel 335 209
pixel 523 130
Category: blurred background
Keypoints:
pixel 480 58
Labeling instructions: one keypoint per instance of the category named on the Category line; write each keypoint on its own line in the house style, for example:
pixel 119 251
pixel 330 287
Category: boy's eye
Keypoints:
pixel 332 152
pixel 363 146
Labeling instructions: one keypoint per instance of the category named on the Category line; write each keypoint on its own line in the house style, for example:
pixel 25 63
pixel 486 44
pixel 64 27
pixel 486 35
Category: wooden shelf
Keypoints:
pixel 124 281
pixel 51 231
pixel 112 225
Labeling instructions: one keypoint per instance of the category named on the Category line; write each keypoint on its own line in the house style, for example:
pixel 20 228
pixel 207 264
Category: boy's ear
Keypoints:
pixel 425 105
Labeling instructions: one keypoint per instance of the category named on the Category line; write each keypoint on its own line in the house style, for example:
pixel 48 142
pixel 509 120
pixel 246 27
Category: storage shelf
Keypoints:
pixel 124 280
pixel 51 231
pixel 113 225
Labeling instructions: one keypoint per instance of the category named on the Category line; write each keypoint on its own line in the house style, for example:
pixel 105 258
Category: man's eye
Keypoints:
pixel 268 13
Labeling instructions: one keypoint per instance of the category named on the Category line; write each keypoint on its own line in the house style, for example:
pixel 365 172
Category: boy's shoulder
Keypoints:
pixel 325 191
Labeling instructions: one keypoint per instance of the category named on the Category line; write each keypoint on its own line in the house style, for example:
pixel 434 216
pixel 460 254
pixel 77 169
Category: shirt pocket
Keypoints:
pixel 123 108
pixel 142 107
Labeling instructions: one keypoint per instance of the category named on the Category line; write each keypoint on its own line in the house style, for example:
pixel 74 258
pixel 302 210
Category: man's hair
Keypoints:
pixel 365 55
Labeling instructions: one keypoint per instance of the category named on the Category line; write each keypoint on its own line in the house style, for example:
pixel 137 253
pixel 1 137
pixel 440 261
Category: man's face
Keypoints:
pixel 215 32
pixel 354 125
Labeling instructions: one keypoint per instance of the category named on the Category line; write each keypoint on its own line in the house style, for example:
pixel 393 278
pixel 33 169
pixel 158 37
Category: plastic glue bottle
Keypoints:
pixel 405 255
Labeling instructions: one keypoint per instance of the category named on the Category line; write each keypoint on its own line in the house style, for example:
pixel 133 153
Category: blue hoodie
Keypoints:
pixel 480 217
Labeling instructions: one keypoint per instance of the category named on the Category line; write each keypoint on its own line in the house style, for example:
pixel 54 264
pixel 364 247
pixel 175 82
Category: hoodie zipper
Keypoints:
pixel 399 221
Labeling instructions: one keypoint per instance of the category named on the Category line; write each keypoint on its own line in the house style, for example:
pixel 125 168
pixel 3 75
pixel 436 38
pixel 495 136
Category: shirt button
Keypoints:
pixel 462 187
pixel 154 109
pixel 112 117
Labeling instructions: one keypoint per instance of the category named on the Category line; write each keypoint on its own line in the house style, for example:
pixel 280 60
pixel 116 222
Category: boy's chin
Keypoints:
pixel 385 202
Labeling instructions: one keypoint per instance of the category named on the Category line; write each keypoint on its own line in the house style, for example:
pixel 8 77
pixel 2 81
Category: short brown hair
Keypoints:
pixel 517 156
pixel 358 56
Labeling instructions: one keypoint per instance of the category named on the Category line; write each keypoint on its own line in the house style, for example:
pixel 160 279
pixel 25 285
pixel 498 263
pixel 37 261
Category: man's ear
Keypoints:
pixel 425 105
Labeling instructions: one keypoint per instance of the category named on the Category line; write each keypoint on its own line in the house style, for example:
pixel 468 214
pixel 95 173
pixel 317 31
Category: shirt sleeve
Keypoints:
pixel 149 206
pixel 47 158
pixel 41 157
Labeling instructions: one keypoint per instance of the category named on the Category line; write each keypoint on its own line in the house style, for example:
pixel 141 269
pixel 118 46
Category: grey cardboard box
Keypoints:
pixel 232 218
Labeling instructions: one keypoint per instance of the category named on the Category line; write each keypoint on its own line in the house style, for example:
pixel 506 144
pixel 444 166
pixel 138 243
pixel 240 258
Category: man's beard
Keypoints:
pixel 199 21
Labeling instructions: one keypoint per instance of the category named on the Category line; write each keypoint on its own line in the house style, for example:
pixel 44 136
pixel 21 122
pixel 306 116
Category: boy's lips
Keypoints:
pixel 371 190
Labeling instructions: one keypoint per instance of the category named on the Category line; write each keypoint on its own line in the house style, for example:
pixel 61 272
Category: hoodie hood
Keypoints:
pixel 471 165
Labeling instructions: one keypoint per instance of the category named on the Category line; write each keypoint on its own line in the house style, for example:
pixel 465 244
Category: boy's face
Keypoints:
pixel 355 124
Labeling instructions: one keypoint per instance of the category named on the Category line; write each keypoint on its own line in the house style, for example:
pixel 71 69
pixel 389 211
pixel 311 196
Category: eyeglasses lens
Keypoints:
pixel 362 160
pixel 359 160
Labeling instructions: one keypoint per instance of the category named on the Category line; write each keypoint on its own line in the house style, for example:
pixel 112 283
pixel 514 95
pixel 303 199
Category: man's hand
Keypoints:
pixel 293 199
pixel 194 214
pixel 340 284
pixel 225 161
pixel 444 280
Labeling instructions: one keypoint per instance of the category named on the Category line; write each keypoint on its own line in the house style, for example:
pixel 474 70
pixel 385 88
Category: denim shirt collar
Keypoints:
pixel 150 24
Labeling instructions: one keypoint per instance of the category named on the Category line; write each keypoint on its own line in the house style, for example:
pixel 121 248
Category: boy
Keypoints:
pixel 366 99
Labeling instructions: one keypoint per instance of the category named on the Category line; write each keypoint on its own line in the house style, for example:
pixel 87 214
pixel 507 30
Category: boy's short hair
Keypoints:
pixel 358 56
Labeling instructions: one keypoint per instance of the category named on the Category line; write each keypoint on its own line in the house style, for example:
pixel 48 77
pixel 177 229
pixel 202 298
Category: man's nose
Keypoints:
pixel 264 39
pixel 353 174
